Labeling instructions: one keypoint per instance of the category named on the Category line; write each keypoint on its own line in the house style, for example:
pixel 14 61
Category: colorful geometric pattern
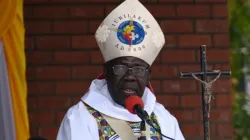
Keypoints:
pixel 154 135
pixel 107 133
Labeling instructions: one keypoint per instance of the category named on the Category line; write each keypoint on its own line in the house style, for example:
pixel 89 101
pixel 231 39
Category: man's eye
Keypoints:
pixel 120 69
pixel 137 69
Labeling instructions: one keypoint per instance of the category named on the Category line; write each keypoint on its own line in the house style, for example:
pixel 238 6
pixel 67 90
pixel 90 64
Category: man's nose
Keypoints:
pixel 129 76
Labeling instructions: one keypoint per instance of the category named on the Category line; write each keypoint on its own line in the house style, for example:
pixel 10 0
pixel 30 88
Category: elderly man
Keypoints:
pixel 130 39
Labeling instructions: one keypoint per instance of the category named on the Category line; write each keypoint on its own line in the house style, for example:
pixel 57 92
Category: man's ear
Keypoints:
pixel 105 71
pixel 149 74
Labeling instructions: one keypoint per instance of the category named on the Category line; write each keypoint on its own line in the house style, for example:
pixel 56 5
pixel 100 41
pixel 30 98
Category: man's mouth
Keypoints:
pixel 129 91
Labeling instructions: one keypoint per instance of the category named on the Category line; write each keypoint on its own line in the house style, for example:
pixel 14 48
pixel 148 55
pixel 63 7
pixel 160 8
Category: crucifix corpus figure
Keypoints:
pixel 204 77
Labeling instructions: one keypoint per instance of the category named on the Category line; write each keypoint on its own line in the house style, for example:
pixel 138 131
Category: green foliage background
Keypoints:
pixel 239 17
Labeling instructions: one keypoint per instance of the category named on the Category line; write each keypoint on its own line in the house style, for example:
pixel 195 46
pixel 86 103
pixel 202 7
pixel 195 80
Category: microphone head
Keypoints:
pixel 131 101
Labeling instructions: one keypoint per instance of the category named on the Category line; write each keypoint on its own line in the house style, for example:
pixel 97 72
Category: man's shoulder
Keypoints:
pixel 168 122
pixel 160 107
pixel 163 111
pixel 76 111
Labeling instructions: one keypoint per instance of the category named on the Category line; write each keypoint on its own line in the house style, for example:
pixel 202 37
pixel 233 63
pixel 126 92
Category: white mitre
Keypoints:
pixel 130 30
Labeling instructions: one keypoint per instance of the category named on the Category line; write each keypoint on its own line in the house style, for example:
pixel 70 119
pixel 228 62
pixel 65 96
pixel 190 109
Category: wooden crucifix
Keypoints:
pixel 206 85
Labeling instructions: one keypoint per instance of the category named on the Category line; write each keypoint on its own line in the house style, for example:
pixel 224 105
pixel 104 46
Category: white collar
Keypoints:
pixel 99 98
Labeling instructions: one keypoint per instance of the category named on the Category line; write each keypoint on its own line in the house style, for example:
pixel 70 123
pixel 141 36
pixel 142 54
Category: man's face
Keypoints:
pixel 123 82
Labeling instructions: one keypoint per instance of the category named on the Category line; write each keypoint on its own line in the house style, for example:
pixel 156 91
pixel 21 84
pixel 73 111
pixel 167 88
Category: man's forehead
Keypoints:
pixel 131 60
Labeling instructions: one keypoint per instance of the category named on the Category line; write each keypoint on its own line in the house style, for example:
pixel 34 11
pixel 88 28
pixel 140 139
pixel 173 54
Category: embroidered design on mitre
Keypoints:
pixel 130 30
pixel 158 39
pixel 102 33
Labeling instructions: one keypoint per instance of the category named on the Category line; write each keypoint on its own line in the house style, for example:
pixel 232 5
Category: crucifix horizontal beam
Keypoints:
pixel 208 73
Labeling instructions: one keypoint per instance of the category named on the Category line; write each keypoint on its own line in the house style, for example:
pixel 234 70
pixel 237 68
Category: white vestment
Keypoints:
pixel 79 124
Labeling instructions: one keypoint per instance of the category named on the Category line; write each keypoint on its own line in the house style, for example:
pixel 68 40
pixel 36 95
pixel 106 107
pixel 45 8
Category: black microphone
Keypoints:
pixel 142 114
pixel 135 105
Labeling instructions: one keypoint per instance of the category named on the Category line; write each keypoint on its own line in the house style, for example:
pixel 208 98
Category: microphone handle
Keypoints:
pixel 144 116
pixel 143 131
pixel 141 113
